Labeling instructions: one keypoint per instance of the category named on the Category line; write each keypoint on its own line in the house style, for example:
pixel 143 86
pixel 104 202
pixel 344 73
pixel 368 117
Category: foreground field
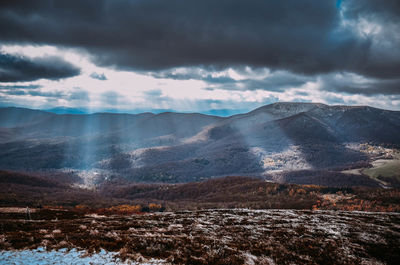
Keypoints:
pixel 236 236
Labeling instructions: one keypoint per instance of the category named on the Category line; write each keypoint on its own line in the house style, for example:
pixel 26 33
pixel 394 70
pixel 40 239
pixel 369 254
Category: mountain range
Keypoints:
pixel 183 147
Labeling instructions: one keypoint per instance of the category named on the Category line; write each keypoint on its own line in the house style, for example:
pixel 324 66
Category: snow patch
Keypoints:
pixel 40 256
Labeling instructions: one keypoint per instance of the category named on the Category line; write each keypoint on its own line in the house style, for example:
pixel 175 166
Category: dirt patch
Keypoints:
pixel 16 210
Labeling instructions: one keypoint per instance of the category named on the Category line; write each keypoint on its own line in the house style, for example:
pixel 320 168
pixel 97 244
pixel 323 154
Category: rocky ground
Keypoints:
pixel 235 236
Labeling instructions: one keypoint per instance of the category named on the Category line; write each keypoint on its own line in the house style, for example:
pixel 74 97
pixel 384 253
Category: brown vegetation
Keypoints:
pixel 216 236
pixel 229 192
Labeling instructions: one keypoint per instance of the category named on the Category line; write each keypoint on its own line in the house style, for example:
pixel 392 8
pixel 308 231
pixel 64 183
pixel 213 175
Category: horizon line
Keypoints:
pixel 211 112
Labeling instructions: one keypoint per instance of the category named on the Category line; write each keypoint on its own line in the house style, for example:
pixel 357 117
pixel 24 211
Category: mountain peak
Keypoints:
pixel 284 109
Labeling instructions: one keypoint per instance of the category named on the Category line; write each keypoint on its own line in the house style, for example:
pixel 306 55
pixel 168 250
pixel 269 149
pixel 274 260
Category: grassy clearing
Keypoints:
pixel 384 168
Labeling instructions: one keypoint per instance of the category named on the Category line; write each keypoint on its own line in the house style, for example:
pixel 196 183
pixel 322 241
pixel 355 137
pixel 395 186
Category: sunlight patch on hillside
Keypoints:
pixel 289 159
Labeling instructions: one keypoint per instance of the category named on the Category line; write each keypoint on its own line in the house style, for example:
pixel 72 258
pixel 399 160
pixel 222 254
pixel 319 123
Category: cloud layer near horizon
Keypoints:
pixel 348 48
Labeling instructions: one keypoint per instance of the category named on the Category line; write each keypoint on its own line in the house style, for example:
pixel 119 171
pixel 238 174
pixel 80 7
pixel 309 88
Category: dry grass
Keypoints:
pixel 236 236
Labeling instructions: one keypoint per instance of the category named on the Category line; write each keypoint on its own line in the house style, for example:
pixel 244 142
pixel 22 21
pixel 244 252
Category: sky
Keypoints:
pixel 217 57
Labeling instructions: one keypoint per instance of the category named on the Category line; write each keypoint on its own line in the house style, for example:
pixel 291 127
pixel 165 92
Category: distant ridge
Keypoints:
pixel 64 110
pixel 214 112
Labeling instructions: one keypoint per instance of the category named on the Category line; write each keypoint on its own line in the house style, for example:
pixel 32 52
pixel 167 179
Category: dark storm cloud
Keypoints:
pixel 382 58
pixel 353 85
pixel 298 36
pixel 16 68
pixel 384 10
pixel 277 81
